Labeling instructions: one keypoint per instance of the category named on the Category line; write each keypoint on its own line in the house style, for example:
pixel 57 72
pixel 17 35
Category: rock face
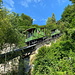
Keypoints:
pixel 9 66
pixel 32 58
pixel 8 48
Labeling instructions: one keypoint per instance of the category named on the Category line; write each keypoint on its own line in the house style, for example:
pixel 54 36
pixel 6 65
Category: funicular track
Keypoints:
pixel 47 41
pixel 25 51
pixel 15 53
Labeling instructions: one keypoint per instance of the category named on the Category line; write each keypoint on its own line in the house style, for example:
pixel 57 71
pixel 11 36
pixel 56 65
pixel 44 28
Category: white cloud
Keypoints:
pixel 60 2
pixel 43 19
pixel 36 1
pixel 9 4
pixel 43 4
pixel 34 20
pixel 26 3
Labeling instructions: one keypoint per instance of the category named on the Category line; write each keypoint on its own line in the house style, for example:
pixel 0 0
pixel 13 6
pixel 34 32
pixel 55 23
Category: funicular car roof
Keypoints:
pixel 30 29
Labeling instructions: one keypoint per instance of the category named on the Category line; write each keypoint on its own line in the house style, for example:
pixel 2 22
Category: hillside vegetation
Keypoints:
pixel 59 58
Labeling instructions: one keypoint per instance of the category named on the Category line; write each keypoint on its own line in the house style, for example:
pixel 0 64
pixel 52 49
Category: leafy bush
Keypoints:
pixel 58 59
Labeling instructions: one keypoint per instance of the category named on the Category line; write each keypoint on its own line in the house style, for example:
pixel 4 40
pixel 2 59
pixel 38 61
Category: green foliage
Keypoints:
pixel 26 20
pixel 20 22
pixel 58 59
pixel 67 20
pixel 51 22
pixel 0 5
pixel 68 16
pixel 73 1
pixel 12 26
pixel 4 25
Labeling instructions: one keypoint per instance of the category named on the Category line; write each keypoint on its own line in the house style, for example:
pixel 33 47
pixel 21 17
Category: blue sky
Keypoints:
pixel 38 10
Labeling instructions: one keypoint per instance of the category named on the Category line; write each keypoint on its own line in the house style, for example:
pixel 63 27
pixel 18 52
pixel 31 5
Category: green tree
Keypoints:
pixel 73 1
pixel 68 16
pixel 48 21
pixel 4 25
pixel 53 18
pixel 51 22
pixel 27 21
